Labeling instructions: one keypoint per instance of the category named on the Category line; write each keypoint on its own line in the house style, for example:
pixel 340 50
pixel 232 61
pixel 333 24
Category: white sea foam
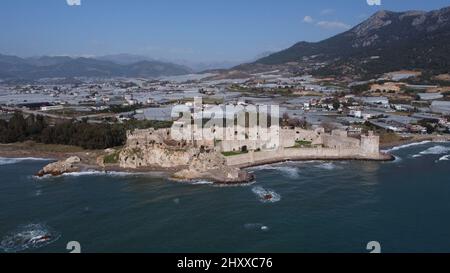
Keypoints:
pixel 444 158
pixel 30 236
pixel 201 182
pixel 406 146
pixel 397 159
pixel 99 173
pixel 435 150
pixel 326 166
pixel 256 226
pixel 10 161
pixel 266 196
pixel 288 171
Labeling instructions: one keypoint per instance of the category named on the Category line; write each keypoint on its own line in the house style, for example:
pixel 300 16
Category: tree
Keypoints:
pixel 328 126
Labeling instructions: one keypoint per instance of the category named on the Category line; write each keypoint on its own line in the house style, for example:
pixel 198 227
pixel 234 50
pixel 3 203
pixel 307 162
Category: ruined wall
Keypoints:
pixel 251 138
pixel 290 136
pixel 340 147
pixel 266 157
pixel 340 139
pixel 154 148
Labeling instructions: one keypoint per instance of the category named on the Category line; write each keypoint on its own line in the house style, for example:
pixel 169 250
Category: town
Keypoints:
pixel 396 105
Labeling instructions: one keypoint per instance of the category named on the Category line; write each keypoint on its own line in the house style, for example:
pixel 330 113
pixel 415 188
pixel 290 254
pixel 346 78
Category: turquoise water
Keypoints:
pixel 320 207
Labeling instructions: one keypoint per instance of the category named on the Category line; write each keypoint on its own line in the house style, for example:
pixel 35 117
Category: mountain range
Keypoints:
pixel 12 67
pixel 387 41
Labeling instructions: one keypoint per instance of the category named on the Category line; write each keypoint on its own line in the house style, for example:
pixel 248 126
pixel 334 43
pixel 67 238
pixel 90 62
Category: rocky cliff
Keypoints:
pixel 155 149
pixel 61 167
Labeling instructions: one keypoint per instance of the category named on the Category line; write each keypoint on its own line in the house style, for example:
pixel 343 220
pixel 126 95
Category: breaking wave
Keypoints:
pixel 397 159
pixel 30 236
pixel 266 196
pixel 288 171
pixel 10 161
pixel 435 150
pixel 444 158
pixel 100 173
pixel 406 146
pixel 201 182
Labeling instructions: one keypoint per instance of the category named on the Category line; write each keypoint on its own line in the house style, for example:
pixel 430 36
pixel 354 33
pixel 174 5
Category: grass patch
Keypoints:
pixel 233 153
pixel 112 158
pixel 303 144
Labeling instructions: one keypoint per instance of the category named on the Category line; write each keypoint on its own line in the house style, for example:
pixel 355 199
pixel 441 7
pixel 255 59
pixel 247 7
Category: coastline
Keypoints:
pixel 414 139
pixel 53 153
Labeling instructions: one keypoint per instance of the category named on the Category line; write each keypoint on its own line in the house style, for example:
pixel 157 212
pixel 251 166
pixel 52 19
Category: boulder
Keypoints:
pixel 61 167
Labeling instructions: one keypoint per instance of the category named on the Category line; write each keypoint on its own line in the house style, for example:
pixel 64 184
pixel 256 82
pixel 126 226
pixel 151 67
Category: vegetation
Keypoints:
pixel 122 109
pixel 389 138
pixel 233 153
pixel 287 121
pixel 358 89
pixel 303 144
pixel 430 127
pixel 75 133
pixel 112 158
pixel 145 124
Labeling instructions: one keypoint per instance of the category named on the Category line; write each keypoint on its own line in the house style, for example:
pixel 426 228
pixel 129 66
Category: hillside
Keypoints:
pixel 387 41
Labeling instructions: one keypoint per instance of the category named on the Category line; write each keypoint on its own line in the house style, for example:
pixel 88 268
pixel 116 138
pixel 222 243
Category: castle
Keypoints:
pixel 198 157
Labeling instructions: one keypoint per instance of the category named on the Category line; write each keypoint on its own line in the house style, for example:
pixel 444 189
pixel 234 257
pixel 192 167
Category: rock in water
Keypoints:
pixel 61 167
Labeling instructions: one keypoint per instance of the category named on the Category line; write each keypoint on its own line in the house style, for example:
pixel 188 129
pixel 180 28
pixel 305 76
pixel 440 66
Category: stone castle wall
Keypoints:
pixel 295 154
pixel 155 147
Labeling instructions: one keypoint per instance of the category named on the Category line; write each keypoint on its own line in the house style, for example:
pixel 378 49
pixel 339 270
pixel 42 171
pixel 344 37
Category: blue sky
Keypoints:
pixel 195 30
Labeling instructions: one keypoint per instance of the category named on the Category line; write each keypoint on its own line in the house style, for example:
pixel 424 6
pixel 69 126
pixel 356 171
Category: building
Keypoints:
pixel 52 108
pixel 441 107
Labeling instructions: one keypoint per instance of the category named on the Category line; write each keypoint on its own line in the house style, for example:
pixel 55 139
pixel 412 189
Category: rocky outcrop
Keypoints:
pixel 61 167
pixel 191 161
pixel 153 155
pixel 212 165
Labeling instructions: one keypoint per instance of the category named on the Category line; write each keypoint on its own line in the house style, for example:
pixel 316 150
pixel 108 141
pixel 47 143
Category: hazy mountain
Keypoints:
pixel 218 65
pixel 47 61
pixel 204 66
pixel 12 67
pixel 386 41
pixel 124 59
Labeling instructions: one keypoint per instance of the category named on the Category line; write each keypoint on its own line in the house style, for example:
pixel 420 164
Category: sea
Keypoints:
pixel 298 207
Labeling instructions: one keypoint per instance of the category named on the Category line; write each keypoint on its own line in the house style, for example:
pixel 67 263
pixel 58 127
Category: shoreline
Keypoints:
pixel 305 159
pixel 414 139
pixel 53 153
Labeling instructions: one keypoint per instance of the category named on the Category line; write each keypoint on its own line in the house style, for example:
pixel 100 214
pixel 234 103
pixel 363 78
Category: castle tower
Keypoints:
pixel 370 144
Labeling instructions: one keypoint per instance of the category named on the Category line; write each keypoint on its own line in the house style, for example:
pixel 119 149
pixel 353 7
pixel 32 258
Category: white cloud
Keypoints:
pixel 333 25
pixel 73 2
pixel 374 2
pixel 308 19
pixel 326 12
